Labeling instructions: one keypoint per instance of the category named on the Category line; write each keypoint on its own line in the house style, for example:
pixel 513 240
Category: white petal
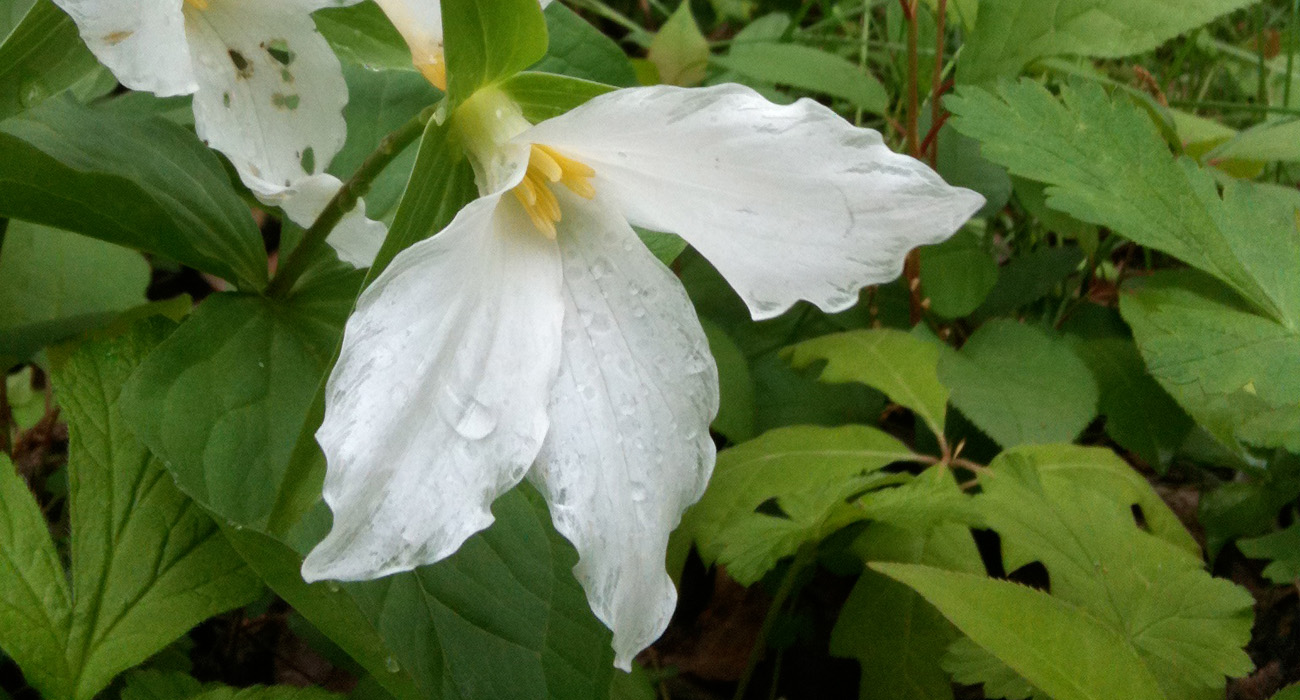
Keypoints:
pixel 788 202
pixel 356 239
pixel 629 447
pixel 271 91
pixel 141 41
pixel 420 24
pixel 438 402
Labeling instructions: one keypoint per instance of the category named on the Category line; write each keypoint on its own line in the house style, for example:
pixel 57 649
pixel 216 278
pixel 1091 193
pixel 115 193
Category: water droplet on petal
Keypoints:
pixel 391 664
pixel 476 422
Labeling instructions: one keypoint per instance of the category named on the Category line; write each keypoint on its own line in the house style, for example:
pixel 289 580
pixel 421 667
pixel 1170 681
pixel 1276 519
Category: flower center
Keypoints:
pixel 546 167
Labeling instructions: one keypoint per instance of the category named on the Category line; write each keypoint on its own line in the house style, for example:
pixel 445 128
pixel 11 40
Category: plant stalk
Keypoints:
pixel 802 559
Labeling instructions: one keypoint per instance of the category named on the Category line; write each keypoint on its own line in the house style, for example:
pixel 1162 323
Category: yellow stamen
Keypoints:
pixel 197 4
pixel 546 167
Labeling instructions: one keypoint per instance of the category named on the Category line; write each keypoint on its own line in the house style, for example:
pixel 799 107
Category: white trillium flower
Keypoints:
pixel 536 337
pixel 268 91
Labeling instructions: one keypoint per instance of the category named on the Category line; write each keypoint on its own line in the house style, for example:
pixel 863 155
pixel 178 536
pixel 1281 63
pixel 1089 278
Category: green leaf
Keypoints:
pixel 155 685
pixel 957 275
pixel 903 366
pixel 1056 646
pixel 679 51
pixel 35 602
pixel 147 563
pixel 970 664
pixel 1140 415
pixel 142 183
pixel 490 40
pixel 545 95
pixel 1282 549
pixel 364 35
pixel 1291 692
pixel 218 398
pixel 1028 278
pixel 735 418
pixel 807 473
pixel 896 636
pixel 807 68
pixel 579 50
pixel 1011 33
pixel 379 102
pixel 1268 142
pixel 1105 163
pixel 1231 368
pixel 41 58
pixel 1072 510
pixel 55 284
pixel 1019 384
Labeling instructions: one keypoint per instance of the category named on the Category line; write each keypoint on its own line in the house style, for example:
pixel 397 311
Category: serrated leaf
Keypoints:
pixel 1011 33
pixel 1149 588
pixel 806 68
pixel 147 563
pixel 489 40
pixel 146 184
pixel 579 50
pixel 55 284
pixel 1281 548
pixel 42 57
pixel 898 638
pixel 806 472
pixel 1020 384
pixel 971 664
pixel 902 366
pixel 679 51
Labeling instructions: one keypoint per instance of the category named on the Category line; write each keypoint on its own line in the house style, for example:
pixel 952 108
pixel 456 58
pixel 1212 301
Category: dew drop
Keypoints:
pixel 476 422
pixel 391 664
pixel 333 587
pixel 32 92
pixel 639 493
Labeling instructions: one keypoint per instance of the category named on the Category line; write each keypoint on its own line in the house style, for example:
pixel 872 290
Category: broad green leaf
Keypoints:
pixel 903 366
pixel 679 51
pixel 957 275
pixel 378 103
pixel 1282 549
pixel 896 636
pixel 1067 508
pixel 489 40
pixel 1011 33
pixel 735 418
pixel 1020 384
pixel 807 473
pixel 55 284
pixel 1271 141
pixel 147 563
pixel 35 602
pixel 363 34
pixel 1056 646
pixel 961 164
pixel 1028 278
pixel 1140 415
pixel 142 183
pixel 1105 163
pixel 221 398
pixel 579 50
pixel 159 685
pixel 11 13
pixel 41 58
pixel 26 404
pixel 1231 368
pixel 442 181
pixel 156 685
pixel 807 68
pixel 970 664
pixel 1291 692
pixel 545 95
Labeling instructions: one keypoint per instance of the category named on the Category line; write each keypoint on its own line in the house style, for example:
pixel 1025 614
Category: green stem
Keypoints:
pixel 1290 51
pixel 298 261
pixel 1262 21
pixel 802 559
pixel 913 86
pixel 864 49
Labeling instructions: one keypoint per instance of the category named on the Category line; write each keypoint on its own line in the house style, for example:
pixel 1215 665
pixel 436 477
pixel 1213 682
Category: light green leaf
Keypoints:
pixel 147 563
pixel 970 664
pixel 957 275
pixel 807 473
pixel 1291 692
pixel 217 398
pixel 1231 368
pixel 1011 33
pixel 1056 646
pixel 807 68
pixel 896 636
pixel 142 183
pixel 902 366
pixel 1071 509
pixel 1105 163
pixel 35 602
pixel 1282 548
pixel 1020 384
pixel 579 50
pixel 363 34
pixel 679 51
pixel 545 95
pixel 55 284
pixel 41 58
pixel 490 40
pixel 1268 142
